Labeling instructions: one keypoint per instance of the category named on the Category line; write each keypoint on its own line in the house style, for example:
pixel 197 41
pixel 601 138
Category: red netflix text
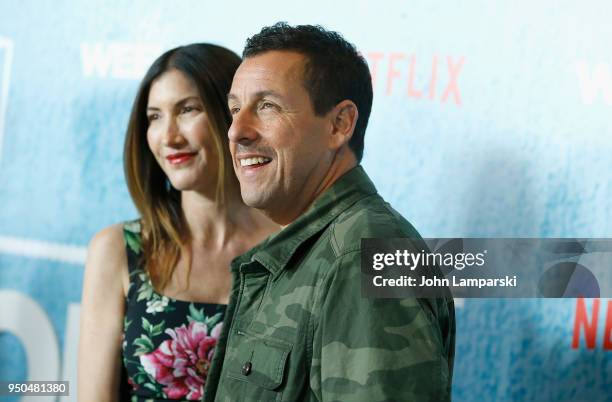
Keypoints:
pixel 400 70
pixel 585 323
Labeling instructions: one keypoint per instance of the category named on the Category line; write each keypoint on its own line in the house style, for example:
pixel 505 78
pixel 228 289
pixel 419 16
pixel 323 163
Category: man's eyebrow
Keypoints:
pixel 257 95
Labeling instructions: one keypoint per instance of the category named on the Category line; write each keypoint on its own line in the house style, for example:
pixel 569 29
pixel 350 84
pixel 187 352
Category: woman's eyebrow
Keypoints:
pixel 178 103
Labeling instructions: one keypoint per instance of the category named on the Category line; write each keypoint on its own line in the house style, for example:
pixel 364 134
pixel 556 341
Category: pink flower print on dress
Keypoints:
pixel 181 364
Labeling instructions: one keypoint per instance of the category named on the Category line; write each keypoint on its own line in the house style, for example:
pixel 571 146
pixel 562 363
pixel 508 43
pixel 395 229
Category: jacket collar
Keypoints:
pixel 275 252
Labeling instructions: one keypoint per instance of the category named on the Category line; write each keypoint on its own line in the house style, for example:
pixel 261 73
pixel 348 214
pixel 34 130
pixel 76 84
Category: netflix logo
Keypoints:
pixel 434 79
pixel 586 323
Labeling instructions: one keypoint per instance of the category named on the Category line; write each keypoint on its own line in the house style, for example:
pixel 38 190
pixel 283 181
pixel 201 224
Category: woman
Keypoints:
pixel 155 289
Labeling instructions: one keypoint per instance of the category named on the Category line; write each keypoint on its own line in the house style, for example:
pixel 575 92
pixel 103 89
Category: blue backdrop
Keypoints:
pixel 489 119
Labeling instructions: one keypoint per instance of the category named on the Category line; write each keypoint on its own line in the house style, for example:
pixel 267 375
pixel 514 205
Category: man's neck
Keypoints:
pixel 343 161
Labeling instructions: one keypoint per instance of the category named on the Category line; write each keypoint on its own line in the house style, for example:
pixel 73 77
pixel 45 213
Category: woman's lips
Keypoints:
pixel 180 157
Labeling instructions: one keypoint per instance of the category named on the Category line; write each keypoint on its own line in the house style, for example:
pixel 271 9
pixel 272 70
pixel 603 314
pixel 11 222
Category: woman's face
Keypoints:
pixel 179 135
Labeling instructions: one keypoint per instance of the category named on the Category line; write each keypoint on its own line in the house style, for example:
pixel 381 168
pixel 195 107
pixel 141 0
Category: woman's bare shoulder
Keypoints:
pixel 106 256
pixel 108 242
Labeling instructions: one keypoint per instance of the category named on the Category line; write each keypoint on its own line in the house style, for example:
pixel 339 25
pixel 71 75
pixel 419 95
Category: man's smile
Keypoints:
pixel 254 161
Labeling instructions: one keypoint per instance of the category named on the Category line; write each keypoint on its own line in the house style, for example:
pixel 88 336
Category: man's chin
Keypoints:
pixel 267 205
pixel 255 199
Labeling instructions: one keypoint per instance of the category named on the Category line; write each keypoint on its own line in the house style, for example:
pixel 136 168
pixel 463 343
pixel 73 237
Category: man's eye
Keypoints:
pixel 267 105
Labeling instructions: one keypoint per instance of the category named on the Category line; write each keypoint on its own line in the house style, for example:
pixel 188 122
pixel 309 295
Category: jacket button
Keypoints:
pixel 246 368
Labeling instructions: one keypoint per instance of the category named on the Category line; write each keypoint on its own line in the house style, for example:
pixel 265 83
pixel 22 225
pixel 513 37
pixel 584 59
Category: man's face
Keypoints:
pixel 279 146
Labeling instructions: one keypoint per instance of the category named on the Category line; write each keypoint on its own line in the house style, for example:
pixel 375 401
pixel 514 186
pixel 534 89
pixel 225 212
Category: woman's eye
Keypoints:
pixel 152 117
pixel 234 110
pixel 188 109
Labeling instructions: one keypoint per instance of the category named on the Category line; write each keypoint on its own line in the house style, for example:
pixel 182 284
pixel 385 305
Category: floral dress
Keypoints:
pixel 168 344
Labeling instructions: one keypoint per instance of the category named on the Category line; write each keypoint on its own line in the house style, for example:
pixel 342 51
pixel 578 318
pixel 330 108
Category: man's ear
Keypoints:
pixel 343 120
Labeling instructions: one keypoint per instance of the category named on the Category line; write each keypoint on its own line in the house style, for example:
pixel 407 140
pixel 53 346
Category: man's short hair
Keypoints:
pixel 334 70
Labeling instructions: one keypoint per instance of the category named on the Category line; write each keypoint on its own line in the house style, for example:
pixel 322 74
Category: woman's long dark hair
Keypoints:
pixel 164 232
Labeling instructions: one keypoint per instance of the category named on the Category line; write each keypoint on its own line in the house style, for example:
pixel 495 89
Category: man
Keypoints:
pixel 297 327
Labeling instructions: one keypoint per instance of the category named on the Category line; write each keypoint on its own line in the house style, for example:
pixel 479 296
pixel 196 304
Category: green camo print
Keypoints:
pixel 299 323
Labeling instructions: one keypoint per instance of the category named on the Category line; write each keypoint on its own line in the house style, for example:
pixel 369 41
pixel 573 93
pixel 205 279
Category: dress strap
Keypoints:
pixel 133 249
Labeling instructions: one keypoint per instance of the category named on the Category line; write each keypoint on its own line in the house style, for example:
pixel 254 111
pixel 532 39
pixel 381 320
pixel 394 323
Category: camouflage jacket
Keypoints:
pixel 298 328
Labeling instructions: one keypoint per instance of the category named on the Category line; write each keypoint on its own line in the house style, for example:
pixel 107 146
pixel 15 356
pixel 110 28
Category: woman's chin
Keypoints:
pixel 188 185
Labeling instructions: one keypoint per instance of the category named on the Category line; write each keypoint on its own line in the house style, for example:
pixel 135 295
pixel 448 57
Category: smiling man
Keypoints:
pixel 298 328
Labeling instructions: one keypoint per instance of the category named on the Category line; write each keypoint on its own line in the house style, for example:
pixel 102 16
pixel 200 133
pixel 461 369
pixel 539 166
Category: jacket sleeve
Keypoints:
pixel 372 350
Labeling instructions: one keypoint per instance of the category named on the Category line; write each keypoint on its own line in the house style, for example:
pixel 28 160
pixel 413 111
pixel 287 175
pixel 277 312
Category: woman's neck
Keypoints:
pixel 212 224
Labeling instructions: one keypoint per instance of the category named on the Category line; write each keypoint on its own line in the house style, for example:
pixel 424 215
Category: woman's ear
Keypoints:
pixel 343 119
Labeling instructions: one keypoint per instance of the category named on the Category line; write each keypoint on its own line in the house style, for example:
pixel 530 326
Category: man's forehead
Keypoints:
pixel 270 68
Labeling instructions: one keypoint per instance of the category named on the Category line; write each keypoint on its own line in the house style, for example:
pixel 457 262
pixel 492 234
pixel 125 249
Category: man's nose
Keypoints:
pixel 243 128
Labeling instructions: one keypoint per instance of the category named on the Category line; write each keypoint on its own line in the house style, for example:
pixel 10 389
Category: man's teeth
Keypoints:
pixel 254 161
